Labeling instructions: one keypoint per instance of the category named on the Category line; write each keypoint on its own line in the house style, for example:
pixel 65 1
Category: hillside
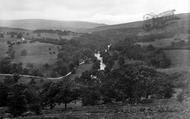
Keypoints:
pixel 34 24
pixel 116 98
pixel 35 53
pixel 184 21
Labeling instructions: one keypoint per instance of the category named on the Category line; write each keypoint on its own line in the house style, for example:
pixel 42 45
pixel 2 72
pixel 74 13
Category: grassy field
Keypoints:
pixel 160 109
pixel 3 49
pixel 166 42
pixel 36 53
pixel 82 68
pixel 179 58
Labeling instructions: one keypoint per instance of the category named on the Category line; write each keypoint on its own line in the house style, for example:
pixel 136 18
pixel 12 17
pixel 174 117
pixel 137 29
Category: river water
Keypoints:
pixel 98 56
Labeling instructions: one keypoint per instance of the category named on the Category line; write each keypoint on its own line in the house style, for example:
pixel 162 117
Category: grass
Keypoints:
pixel 179 58
pixel 36 53
pixel 82 68
pixel 3 49
pixel 160 109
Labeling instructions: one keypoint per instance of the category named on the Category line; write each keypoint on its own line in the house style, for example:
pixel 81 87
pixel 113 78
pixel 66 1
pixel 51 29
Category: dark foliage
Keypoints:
pixel 4 94
pixel 131 83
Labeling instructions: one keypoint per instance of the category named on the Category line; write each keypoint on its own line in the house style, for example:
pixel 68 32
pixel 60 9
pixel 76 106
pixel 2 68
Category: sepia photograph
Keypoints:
pixel 94 59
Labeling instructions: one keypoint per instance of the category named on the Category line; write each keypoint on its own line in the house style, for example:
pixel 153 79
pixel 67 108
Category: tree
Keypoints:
pixel 133 82
pixel 36 72
pixel 4 94
pixel 33 99
pixel 90 96
pixel 150 47
pixel 8 81
pixel 19 35
pixel 158 59
pixel 46 66
pixel 59 92
pixel 1 35
pixel 66 92
pixel 23 52
pixel 5 65
pixel 16 68
pixel 48 93
pixel 90 87
pixel 61 67
pixel 96 65
pixel 16 77
pixel 121 61
pixel 108 90
pixel 12 35
pixel 16 100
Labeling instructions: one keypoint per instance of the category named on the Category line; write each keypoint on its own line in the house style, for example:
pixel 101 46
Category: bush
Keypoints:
pixel 23 52
pixel 16 100
pixel 180 97
pixel 90 97
pixel 3 94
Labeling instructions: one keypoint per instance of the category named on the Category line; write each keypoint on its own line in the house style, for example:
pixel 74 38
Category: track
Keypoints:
pixel 38 77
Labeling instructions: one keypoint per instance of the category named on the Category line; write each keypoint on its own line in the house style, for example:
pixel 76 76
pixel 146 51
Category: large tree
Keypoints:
pixel 67 93
pixel 3 94
pixel 17 102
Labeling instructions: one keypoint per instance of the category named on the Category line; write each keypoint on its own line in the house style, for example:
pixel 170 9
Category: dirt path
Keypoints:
pixel 80 69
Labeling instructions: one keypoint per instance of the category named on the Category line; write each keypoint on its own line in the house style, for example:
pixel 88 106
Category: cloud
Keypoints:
pixel 107 11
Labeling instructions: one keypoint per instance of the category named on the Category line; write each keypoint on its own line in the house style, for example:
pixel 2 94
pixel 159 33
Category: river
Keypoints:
pixel 98 56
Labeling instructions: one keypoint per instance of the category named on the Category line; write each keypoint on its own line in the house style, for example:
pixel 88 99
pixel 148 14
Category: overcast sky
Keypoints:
pixel 101 11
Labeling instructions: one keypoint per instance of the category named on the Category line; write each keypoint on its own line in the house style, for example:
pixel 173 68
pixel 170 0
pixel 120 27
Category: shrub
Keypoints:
pixel 90 97
pixel 16 100
pixel 23 52
pixel 3 94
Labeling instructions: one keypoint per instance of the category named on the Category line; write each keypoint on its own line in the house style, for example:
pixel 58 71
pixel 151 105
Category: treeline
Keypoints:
pixel 59 32
pixel 75 51
pixel 7 66
pixel 20 98
pixel 50 40
pixel 155 36
pixel 70 54
pixel 131 84
pixel 17 34
pixel 127 50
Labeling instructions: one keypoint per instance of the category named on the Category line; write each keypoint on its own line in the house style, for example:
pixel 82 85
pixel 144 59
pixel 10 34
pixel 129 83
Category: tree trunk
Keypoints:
pixel 51 106
pixel 65 106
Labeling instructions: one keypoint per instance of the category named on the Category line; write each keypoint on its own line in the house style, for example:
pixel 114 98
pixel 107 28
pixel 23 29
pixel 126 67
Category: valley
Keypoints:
pixel 96 71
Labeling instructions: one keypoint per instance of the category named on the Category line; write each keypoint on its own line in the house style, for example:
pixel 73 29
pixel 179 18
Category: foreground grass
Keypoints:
pixel 160 109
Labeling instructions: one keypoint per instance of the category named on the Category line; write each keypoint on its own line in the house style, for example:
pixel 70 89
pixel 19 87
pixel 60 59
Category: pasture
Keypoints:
pixel 36 53
pixel 3 49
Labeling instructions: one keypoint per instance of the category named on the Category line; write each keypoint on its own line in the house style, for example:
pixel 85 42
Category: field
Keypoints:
pixel 160 109
pixel 3 49
pixel 36 53
pixel 180 58
pixel 82 68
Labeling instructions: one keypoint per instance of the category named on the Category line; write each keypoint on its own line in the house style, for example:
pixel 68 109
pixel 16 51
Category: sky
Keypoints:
pixel 100 11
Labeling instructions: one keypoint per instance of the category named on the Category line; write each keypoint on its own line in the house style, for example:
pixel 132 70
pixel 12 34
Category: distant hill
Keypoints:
pixel 122 31
pixel 9 29
pixel 183 22
pixel 33 24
